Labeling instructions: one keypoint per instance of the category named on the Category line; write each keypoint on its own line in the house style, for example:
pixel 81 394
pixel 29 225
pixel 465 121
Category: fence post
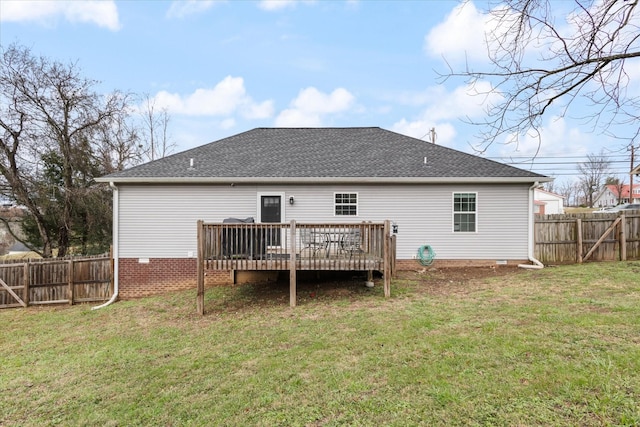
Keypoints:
pixel 623 238
pixel 579 240
pixel 25 280
pixel 71 291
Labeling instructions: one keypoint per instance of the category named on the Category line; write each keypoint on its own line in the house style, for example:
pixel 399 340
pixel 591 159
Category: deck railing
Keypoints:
pixel 264 246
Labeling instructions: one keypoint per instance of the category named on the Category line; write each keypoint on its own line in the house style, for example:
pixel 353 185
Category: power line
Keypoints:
pixel 625 162
pixel 554 157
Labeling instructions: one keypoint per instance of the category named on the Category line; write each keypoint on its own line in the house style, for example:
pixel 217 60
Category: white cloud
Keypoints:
pixel 556 137
pixel 442 108
pixel 465 32
pixel 297 118
pixel 280 4
pixel 182 8
pixel 462 34
pixel 312 100
pixel 228 97
pixel 464 101
pixel 311 104
pixel 102 13
pixel 262 110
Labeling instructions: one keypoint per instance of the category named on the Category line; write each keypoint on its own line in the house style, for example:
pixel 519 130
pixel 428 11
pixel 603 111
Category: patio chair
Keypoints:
pixel 351 243
pixel 312 241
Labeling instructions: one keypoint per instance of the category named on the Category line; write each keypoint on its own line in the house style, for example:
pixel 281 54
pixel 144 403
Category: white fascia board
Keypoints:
pixel 323 180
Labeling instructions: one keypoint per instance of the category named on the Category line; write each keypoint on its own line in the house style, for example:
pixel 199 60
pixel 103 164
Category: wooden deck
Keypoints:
pixel 365 246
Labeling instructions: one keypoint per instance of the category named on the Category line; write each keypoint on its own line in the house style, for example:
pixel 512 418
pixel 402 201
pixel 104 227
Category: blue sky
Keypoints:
pixel 223 67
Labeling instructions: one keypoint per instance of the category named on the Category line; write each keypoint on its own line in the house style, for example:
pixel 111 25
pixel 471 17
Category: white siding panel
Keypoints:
pixel 160 221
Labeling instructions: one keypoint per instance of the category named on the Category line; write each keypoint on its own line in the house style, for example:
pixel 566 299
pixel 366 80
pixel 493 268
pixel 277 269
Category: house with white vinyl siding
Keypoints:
pixel 468 209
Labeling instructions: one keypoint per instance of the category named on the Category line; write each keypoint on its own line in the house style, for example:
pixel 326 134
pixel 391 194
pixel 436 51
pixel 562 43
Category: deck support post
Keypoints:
pixel 200 295
pixel 292 265
pixel 386 257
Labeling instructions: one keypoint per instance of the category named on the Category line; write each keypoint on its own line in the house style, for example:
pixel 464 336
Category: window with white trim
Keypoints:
pixel 464 212
pixel 346 204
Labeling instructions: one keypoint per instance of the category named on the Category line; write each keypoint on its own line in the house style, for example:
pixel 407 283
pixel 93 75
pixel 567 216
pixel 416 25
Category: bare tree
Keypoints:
pixel 592 174
pixel 569 190
pixel 550 186
pixel 539 61
pixel 118 143
pixel 156 140
pixel 49 118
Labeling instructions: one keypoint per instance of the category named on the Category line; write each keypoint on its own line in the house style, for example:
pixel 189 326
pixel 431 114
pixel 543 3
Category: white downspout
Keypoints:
pixel 116 252
pixel 537 265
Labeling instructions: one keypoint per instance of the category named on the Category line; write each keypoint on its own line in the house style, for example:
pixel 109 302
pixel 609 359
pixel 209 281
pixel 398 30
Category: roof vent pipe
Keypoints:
pixel 425 160
pixel 191 164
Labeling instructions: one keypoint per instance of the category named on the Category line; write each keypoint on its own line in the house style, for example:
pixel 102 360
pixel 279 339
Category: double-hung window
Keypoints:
pixel 346 204
pixel 465 212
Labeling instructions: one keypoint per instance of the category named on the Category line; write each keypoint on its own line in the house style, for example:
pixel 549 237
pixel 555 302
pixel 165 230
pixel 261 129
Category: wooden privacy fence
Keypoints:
pixel 56 281
pixel 574 238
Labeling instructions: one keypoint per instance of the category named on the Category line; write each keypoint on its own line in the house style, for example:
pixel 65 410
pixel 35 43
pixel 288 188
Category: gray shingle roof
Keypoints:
pixel 321 154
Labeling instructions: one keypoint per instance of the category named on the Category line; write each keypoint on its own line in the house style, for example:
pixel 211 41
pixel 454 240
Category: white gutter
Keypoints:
pixel 537 265
pixel 319 180
pixel 116 253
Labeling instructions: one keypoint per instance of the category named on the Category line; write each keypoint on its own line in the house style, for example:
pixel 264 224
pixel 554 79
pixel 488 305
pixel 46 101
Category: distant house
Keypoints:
pixel 18 248
pixel 612 195
pixel 470 210
pixel 547 202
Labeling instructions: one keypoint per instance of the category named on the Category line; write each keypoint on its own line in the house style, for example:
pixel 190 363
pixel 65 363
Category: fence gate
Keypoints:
pixel 14 291
pixel 10 293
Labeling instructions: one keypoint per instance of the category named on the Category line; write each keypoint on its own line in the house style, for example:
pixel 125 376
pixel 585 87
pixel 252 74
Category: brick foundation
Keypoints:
pixel 161 275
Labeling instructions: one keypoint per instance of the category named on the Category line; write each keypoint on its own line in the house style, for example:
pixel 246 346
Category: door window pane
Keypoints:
pixel 270 213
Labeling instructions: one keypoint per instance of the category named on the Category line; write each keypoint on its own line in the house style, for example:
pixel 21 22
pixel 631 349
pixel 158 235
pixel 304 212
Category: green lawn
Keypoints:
pixel 559 346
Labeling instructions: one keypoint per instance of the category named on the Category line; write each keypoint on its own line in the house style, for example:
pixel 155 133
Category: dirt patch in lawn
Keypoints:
pixel 453 279
pixel 351 286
